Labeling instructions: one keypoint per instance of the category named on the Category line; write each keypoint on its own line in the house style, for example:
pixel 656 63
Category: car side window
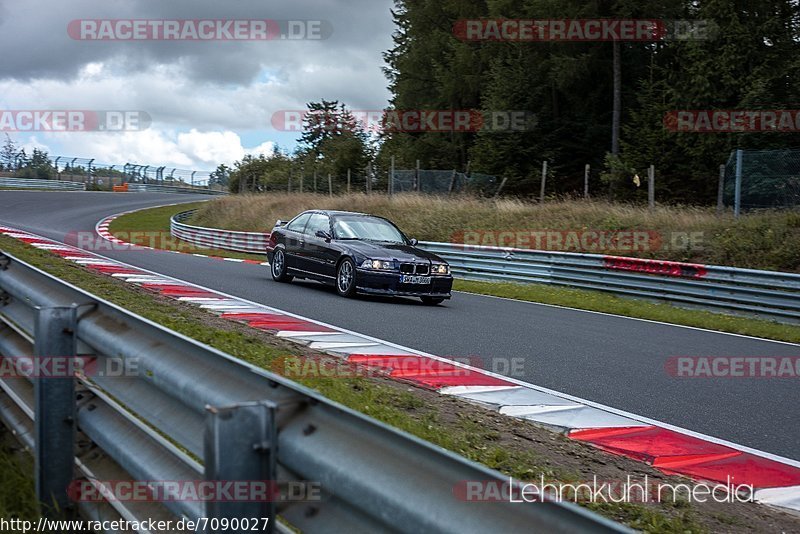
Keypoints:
pixel 299 223
pixel 318 221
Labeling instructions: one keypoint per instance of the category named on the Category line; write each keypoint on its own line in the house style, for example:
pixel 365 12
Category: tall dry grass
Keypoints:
pixel 766 240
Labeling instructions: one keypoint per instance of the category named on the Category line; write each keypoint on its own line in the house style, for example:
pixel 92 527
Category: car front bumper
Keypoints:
pixel 388 283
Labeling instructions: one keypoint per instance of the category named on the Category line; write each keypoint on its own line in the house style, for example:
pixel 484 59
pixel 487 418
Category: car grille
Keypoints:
pixel 415 268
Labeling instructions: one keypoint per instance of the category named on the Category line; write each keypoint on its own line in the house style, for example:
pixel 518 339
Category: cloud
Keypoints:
pixel 39 28
pixel 203 97
pixel 213 148
pixel 194 150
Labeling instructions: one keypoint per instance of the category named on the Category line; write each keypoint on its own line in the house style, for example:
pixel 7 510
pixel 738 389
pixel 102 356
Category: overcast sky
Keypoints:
pixel 210 102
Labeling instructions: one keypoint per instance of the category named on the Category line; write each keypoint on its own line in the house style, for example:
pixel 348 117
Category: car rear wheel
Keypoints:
pixel 278 267
pixel 432 301
pixel 346 278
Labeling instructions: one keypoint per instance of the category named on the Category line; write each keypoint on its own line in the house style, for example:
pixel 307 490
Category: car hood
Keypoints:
pixel 386 251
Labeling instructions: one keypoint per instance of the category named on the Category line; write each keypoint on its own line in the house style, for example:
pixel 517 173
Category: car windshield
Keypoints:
pixel 369 228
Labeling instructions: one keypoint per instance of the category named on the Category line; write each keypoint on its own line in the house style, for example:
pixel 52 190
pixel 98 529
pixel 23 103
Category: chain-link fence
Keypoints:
pixel 98 175
pixel 444 182
pixel 435 182
pixel 762 179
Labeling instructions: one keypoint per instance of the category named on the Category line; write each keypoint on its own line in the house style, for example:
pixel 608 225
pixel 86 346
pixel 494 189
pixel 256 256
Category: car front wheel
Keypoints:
pixel 278 267
pixel 346 278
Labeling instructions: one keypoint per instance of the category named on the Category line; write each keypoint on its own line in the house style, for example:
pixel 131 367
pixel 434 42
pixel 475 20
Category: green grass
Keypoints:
pixel 155 221
pixel 388 402
pixel 628 307
pixel 766 239
pixel 17 496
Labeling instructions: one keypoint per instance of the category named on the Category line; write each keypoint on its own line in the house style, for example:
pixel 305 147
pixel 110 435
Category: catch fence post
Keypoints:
pixel 737 200
pixel 586 171
pixel 390 188
pixel 544 181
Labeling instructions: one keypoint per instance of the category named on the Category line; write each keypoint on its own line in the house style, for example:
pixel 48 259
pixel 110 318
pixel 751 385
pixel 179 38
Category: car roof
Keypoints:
pixel 334 213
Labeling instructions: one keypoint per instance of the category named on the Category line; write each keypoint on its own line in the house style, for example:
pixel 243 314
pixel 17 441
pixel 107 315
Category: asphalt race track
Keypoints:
pixel 611 360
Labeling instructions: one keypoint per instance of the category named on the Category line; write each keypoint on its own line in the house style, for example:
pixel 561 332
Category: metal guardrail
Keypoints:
pixel 770 294
pixel 33 183
pixel 193 413
pixel 774 295
pixel 216 238
pixel 156 188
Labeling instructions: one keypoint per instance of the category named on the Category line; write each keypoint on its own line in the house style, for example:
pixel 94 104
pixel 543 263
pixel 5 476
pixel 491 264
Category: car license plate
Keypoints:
pixel 410 279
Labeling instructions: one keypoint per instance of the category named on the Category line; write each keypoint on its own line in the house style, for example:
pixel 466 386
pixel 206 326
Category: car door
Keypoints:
pixel 316 251
pixel 294 239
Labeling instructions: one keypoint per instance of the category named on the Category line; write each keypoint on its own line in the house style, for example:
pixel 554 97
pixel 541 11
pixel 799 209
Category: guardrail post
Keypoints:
pixel 241 445
pixel 54 334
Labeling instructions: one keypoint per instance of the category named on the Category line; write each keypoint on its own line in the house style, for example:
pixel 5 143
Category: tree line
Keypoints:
pixel 15 159
pixel 595 102
pixel 750 59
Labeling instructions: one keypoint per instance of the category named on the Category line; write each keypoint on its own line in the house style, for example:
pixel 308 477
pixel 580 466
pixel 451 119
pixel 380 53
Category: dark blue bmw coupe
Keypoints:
pixel 356 253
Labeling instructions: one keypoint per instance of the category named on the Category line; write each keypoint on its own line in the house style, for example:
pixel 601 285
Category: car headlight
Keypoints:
pixel 441 268
pixel 378 265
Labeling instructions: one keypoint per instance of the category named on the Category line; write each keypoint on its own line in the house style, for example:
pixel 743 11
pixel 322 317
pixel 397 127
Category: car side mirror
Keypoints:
pixel 322 234
pixel 280 223
pixel 414 242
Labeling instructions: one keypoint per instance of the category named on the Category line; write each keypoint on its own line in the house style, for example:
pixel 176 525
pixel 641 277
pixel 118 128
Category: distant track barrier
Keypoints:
pixel 156 188
pixel 770 294
pixel 33 183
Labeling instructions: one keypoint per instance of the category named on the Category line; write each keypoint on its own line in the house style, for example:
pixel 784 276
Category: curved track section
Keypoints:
pixel 611 360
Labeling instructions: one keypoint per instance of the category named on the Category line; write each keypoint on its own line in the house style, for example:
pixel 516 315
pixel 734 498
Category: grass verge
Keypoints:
pixel 150 228
pixel 514 447
pixel 17 496
pixel 766 239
